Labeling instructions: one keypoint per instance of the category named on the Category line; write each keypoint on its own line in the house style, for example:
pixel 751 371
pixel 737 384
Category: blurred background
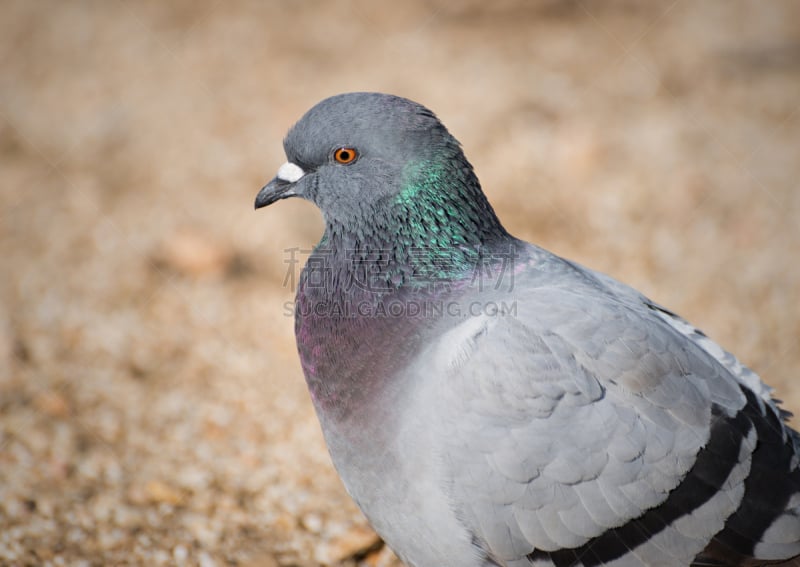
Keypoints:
pixel 152 407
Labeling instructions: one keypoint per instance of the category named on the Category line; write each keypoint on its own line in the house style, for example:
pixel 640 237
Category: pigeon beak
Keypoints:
pixel 281 186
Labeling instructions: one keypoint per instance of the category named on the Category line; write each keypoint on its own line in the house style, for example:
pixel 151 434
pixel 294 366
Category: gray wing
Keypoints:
pixel 766 525
pixel 585 428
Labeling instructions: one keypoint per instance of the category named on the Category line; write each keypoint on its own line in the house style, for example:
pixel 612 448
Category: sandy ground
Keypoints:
pixel 153 411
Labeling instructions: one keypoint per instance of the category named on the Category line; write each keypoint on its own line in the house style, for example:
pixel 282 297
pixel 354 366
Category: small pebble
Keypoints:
pixel 205 560
pixel 180 554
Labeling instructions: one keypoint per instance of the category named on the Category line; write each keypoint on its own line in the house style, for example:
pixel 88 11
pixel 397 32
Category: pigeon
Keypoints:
pixel 488 403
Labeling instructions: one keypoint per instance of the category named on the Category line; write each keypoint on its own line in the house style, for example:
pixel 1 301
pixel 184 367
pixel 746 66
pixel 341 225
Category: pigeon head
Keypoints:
pixel 378 164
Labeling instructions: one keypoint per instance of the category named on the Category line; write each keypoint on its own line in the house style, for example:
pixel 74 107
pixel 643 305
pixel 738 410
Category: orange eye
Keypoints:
pixel 345 155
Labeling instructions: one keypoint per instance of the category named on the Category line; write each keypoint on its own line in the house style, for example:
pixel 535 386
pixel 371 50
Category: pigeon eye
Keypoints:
pixel 345 155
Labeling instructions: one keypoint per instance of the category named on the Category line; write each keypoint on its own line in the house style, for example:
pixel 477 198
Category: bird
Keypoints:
pixel 489 403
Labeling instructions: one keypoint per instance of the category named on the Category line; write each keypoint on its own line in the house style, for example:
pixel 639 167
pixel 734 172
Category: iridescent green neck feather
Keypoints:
pixel 437 227
pixel 444 217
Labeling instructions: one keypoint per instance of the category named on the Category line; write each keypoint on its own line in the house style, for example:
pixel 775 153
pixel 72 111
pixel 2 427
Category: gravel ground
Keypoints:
pixel 153 411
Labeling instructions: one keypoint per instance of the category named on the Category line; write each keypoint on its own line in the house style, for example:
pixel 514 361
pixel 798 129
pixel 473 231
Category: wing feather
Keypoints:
pixel 573 418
